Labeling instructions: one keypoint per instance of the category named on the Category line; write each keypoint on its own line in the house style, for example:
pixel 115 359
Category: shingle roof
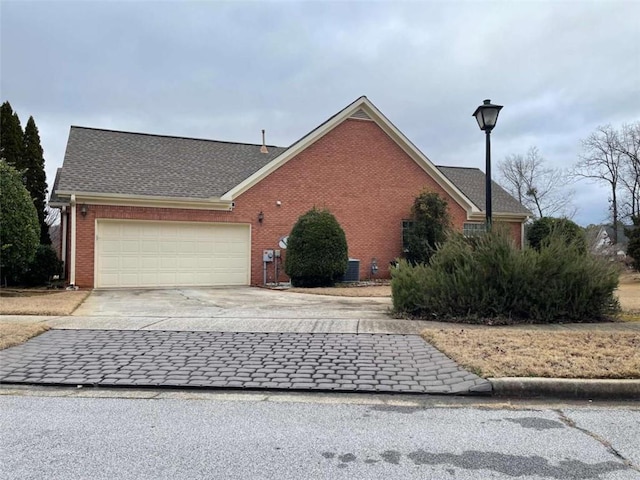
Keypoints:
pixel 115 162
pixel 471 181
pixel 53 198
pixel 107 161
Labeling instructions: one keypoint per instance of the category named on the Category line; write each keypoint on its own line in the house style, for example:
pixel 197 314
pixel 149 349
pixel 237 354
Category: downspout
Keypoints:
pixel 521 235
pixel 63 249
pixel 72 260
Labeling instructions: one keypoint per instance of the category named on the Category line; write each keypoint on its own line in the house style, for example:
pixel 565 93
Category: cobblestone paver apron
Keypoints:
pixel 295 361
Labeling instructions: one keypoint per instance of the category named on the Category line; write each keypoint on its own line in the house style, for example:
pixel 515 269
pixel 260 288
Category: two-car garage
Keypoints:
pixel 171 254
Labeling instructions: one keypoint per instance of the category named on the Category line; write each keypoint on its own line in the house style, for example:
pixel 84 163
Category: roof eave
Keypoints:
pixel 501 216
pixel 98 198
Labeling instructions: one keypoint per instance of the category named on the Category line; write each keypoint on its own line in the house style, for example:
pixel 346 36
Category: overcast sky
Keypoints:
pixel 225 70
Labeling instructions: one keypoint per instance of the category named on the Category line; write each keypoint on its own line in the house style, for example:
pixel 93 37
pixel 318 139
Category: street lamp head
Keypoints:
pixel 487 115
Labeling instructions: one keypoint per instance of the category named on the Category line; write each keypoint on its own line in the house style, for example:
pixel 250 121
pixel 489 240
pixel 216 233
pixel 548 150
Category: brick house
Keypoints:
pixel 142 210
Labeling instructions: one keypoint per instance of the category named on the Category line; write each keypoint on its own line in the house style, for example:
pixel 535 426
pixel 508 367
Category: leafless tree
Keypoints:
pixel 52 216
pixel 629 148
pixel 600 161
pixel 540 188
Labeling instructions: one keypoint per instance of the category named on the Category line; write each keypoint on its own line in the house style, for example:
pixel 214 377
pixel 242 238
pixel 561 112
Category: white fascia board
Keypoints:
pixel 116 199
pixel 502 216
pixel 390 129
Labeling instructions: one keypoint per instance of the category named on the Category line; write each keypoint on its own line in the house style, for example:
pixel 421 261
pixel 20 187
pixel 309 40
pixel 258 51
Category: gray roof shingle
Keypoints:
pixel 107 161
pixel 53 198
pixel 471 181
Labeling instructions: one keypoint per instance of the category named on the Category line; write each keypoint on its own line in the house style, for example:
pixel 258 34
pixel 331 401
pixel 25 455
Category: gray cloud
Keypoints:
pixel 226 70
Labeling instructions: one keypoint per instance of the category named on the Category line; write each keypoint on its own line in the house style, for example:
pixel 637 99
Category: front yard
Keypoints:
pixel 40 302
pixel 12 334
pixel 517 352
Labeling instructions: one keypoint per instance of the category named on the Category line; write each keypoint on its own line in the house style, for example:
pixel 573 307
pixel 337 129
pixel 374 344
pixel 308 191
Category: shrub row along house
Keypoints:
pixel 142 210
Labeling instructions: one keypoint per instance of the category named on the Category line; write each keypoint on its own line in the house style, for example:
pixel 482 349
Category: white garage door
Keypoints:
pixel 168 254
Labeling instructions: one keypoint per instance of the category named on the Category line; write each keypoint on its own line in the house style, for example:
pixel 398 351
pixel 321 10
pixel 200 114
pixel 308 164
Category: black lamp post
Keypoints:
pixel 487 116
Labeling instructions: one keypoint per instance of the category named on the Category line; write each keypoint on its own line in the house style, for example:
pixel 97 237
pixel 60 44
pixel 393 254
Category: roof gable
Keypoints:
pixel 360 109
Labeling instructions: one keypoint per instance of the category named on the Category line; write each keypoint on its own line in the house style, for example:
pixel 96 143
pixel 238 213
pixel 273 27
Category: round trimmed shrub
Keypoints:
pixel 540 231
pixel 316 250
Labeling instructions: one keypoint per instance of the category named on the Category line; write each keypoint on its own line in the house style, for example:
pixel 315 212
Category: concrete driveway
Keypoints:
pixel 239 309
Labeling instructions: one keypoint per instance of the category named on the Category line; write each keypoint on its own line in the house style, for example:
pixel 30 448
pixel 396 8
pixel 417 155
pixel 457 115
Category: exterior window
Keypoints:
pixel 406 225
pixel 473 229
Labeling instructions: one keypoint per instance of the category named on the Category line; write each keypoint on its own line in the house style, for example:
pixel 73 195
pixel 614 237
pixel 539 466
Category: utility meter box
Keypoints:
pixel 267 255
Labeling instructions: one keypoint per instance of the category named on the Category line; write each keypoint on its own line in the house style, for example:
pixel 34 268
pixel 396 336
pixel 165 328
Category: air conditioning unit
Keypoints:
pixel 353 271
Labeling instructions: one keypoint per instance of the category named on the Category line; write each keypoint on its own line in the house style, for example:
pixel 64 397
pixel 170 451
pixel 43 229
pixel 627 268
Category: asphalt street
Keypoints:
pixel 177 434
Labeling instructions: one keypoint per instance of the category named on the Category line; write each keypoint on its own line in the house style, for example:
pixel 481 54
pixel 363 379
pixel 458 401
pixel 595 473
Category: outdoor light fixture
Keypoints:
pixel 260 217
pixel 84 209
pixel 487 116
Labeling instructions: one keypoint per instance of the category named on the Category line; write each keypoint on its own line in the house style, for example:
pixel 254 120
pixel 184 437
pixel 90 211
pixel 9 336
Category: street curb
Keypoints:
pixel 566 388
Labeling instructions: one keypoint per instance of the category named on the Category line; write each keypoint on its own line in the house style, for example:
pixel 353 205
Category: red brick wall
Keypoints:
pixel 356 171
pixel 362 176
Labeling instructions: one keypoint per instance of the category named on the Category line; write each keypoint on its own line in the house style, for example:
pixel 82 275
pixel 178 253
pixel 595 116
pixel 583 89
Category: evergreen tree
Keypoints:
pixel 35 176
pixel 430 227
pixel 633 248
pixel 11 137
pixel 18 224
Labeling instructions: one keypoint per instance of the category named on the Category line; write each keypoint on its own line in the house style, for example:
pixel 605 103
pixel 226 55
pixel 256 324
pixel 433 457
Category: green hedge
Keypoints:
pixel 543 228
pixel 492 281
pixel 44 266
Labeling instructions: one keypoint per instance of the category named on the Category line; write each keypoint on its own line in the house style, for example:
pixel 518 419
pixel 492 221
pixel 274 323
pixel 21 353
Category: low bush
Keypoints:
pixel 43 267
pixel 493 281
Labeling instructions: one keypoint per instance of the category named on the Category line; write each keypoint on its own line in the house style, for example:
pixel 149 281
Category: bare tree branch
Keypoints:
pixel 52 216
pixel 600 161
pixel 629 147
pixel 540 188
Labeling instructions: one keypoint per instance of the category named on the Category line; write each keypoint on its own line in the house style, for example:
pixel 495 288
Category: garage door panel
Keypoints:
pixel 149 246
pixel 168 246
pixel 148 254
pixel 149 263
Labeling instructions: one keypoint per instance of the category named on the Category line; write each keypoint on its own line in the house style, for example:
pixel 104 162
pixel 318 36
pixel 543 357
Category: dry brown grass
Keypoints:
pixel 368 291
pixel 42 302
pixel 629 293
pixel 505 352
pixel 12 334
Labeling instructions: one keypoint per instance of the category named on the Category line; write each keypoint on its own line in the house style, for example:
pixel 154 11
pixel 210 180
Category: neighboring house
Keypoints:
pixel 602 241
pixel 143 210
pixel 56 239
